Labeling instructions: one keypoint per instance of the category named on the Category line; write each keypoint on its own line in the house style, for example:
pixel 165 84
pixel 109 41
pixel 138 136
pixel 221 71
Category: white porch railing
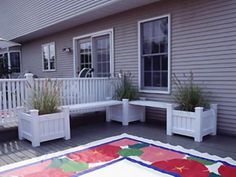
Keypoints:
pixel 16 92
pixel 12 95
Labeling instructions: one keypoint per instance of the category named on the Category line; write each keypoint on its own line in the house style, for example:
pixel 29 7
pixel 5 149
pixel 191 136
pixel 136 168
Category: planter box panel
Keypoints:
pixel 184 132
pixel 183 120
pixel 135 113
pixel 116 113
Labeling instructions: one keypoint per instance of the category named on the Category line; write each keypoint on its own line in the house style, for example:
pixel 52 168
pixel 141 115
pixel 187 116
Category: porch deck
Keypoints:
pixel 12 150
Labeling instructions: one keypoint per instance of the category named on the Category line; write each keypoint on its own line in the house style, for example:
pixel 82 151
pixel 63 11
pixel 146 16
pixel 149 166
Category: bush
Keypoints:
pixel 125 89
pixel 189 95
pixel 46 100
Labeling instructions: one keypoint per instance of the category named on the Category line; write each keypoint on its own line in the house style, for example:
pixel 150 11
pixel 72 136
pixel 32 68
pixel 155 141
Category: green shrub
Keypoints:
pixel 189 95
pixel 125 89
pixel 46 100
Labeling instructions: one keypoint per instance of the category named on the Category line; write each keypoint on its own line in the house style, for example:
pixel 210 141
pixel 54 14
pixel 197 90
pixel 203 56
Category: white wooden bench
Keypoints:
pixel 122 111
pixel 93 106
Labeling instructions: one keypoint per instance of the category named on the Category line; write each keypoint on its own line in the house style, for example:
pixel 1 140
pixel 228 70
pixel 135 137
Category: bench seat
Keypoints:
pixel 93 105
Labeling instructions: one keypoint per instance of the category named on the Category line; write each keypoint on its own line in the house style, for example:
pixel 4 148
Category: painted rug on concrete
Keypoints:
pixel 124 156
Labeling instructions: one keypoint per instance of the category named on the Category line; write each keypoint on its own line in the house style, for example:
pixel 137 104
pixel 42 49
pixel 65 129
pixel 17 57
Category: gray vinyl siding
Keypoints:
pixel 203 40
pixel 26 16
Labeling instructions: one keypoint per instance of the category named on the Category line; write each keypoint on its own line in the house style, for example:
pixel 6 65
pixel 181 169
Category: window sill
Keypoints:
pixel 53 70
pixel 155 91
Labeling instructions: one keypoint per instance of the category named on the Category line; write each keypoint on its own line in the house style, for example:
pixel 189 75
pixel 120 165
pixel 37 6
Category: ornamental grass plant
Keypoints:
pixel 189 95
pixel 125 89
pixel 46 99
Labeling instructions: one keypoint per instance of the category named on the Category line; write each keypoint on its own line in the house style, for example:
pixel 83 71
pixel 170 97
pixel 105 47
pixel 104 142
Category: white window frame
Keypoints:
pixel 169 55
pixel 8 57
pixel 109 32
pixel 46 44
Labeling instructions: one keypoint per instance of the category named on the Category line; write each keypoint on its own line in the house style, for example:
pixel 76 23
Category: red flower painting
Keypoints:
pixel 183 167
pixel 51 172
pixel 102 153
pixel 155 154
pixel 31 169
pixel 124 142
pixel 227 171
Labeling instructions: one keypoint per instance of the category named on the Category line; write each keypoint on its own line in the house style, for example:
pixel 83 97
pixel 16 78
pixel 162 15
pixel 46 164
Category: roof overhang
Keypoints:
pixel 90 15
pixel 6 44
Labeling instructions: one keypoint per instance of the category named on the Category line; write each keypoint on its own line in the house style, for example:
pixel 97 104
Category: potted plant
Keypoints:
pixel 125 91
pixel 193 115
pixel 44 120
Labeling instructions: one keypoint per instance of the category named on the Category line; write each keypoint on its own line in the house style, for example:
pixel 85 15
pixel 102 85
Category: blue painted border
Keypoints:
pixel 215 161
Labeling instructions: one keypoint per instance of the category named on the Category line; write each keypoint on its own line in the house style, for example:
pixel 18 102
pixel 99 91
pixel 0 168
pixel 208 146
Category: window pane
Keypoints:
pixel 147 31
pixel 85 54
pixel 164 63
pixel 45 56
pixel 156 79
pixel 147 63
pixel 4 61
pixel 148 79
pixel 156 63
pixel 164 79
pixel 52 56
pixel 147 46
pixel 101 56
pixel 15 62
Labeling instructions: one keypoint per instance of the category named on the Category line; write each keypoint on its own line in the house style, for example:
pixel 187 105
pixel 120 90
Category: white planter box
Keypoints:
pixel 39 128
pixel 125 113
pixel 194 124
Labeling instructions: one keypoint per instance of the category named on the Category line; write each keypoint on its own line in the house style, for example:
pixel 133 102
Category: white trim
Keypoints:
pixel 46 44
pixel 169 55
pixel 110 32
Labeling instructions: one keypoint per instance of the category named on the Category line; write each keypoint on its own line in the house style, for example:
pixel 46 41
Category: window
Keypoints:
pixel 154 51
pixel 11 60
pixel 95 51
pixel 48 55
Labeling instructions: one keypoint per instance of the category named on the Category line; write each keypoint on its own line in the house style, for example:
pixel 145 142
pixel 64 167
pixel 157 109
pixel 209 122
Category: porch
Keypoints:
pixel 12 150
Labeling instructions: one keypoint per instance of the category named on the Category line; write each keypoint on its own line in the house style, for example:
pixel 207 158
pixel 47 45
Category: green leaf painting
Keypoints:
pixel 67 165
pixel 139 145
pixel 130 152
pixel 200 160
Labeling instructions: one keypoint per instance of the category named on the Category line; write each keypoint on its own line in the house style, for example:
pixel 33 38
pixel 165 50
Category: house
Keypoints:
pixel 152 39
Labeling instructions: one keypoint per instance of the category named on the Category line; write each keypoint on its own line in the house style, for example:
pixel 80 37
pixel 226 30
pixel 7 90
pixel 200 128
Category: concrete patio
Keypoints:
pixel 12 150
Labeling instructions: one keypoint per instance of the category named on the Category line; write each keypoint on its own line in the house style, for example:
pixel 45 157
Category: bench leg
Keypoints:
pixel 143 113
pixel 108 114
